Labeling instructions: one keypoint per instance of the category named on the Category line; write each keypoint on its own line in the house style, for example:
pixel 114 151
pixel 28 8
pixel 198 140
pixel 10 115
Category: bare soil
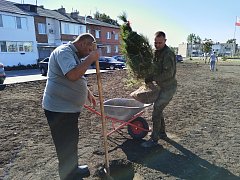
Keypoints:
pixel 202 122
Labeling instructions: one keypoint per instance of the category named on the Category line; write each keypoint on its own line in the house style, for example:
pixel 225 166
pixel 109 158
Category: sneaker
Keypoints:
pixel 149 143
pixel 83 171
pixel 162 135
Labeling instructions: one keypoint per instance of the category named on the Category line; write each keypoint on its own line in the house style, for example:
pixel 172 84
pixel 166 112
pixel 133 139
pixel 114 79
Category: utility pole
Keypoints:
pixel 235 29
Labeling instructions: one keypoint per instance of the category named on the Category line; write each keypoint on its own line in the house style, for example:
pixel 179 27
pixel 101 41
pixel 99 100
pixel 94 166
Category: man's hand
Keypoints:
pixel 94 56
pixel 149 80
pixel 91 98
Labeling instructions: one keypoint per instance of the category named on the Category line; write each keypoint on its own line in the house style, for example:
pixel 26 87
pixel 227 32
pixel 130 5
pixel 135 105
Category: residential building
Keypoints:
pixel 18 45
pixel 195 50
pixel 187 50
pixel 224 49
pixel 29 32
pixel 107 35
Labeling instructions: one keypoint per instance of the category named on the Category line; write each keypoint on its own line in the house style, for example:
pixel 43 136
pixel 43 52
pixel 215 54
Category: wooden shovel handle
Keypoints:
pixel 104 128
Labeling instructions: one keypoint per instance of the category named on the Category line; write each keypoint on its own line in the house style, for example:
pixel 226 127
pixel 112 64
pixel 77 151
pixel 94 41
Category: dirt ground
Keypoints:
pixel 202 123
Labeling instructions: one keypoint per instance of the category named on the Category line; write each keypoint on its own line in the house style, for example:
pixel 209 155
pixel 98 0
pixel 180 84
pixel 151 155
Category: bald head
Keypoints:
pixel 85 44
pixel 87 37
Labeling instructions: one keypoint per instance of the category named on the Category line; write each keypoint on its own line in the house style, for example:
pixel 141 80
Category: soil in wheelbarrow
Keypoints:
pixel 202 123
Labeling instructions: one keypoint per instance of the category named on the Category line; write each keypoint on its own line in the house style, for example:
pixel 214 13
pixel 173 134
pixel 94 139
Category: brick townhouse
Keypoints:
pixel 29 32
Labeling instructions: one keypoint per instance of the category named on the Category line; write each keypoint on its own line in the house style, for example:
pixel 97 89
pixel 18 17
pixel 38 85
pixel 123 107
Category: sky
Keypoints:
pixel 211 19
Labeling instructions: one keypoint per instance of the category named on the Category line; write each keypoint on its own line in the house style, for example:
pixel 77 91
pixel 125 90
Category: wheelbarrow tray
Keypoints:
pixel 123 108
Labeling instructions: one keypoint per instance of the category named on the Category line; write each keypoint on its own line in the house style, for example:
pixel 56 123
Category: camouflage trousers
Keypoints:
pixel 165 96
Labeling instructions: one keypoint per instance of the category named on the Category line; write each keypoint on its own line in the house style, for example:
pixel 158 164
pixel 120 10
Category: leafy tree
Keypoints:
pixel 105 18
pixel 207 47
pixel 236 45
pixel 193 39
pixel 231 41
pixel 198 40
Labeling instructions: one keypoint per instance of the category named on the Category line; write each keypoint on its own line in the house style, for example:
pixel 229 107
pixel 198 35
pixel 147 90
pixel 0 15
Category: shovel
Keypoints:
pixel 104 128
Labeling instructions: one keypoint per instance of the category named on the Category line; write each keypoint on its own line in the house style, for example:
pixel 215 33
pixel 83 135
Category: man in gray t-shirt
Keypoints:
pixel 64 95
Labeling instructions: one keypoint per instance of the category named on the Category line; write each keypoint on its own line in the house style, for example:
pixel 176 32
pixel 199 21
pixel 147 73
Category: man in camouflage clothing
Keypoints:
pixel 164 64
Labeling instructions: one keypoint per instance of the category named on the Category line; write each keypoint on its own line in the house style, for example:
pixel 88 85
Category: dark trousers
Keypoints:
pixel 65 134
pixel 165 96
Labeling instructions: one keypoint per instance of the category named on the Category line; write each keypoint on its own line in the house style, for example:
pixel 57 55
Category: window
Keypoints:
pixel 28 46
pixel 12 47
pixel 8 21
pixel 18 21
pixel 20 46
pixel 1 21
pixel 71 28
pixel 116 36
pixel 3 46
pixel 97 33
pixel 108 49
pixel 13 22
pixel 65 28
pixel 23 23
pixel 108 35
pixel 116 49
pixel 76 29
pixel 41 28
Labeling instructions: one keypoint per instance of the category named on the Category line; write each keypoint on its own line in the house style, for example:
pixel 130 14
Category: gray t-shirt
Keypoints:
pixel 61 94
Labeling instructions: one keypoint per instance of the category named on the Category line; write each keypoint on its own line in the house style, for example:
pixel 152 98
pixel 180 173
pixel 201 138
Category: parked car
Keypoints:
pixel 2 73
pixel 2 77
pixel 43 66
pixel 179 58
pixel 106 62
pixel 120 58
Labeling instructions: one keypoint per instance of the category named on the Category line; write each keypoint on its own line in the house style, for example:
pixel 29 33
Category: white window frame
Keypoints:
pixel 42 28
pixel 97 34
pixel 108 49
pixel 18 23
pixel 12 46
pixel 116 36
pixel 28 46
pixel 116 48
pixel 109 35
pixel 20 47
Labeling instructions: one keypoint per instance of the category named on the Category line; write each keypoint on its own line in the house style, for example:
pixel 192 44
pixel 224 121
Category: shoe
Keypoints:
pixel 149 143
pixel 83 171
pixel 162 135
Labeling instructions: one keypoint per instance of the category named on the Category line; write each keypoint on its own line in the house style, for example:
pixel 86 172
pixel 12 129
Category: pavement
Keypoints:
pixel 20 76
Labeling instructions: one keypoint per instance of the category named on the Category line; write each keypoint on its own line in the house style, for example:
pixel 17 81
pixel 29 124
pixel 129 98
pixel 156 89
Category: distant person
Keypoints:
pixel 212 61
pixel 164 76
pixel 64 96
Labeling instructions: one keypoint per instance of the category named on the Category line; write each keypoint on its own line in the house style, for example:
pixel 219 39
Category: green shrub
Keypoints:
pixel 21 67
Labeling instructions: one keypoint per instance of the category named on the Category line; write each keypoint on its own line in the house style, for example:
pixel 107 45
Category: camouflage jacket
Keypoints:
pixel 164 65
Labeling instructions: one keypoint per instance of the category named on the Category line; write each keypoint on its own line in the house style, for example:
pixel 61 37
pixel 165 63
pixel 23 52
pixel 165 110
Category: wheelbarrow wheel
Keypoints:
pixel 137 133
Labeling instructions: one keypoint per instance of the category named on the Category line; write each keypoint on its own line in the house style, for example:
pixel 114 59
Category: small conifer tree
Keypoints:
pixel 137 49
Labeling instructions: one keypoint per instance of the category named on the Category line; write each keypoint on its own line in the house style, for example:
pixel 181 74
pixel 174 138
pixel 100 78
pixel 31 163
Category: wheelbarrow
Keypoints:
pixel 125 112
